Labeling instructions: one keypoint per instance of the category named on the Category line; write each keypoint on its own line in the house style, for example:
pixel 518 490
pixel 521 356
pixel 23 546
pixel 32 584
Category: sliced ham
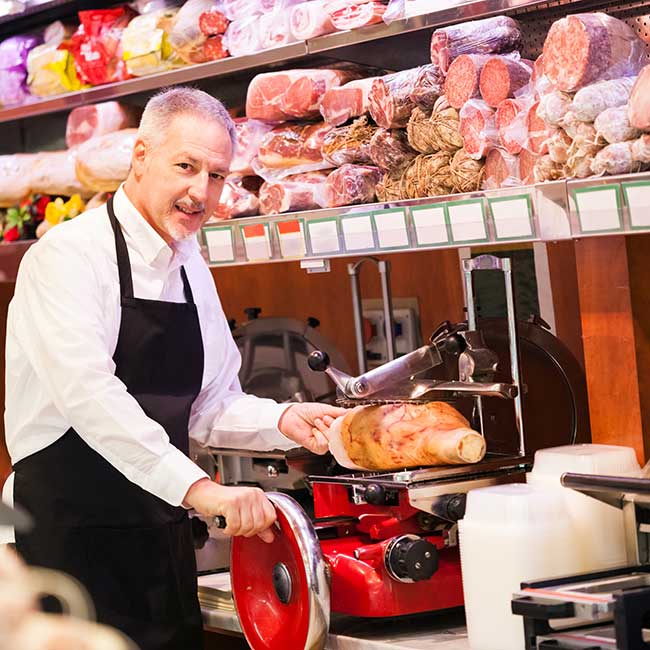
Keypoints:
pixel 478 128
pixel 294 193
pixel 501 78
pixel 639 104
pixel 341 103
pixel 309 20
pixel 390 102
pixel 352 184
pixel 463 78
pixel 353 15
pixel 85 122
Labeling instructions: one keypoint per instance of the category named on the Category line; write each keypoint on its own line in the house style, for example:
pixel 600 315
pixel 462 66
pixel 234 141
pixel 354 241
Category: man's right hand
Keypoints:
pixel 247 510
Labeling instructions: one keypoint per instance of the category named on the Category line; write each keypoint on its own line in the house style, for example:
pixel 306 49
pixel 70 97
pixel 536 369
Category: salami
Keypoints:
pixel 558 146
pixel 478 128
pixel 496 35
pixel 429 85
pixel 553 107
pixel 639 104
pixel 584 48
pixel 591 101
pixel 641 148
pixel 349 144
pixel 341 103
pixel 615 159
pixel 614 126
pixel 390 150
pixel 352 184
pixel 511 124
pixel 213 22
pixel 248 135
pixel 352 15
pixel 502 77
pixel 463 78
pixel 214 48
pixel 309 20
pixel 292 145
pixel 294 193
pixel 501 170
pixel 527 161
pixel 237 199
pixel 538 131
pixel 390 101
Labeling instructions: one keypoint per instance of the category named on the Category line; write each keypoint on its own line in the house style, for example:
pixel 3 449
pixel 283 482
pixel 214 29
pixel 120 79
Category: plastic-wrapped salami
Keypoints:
pixel 547 170
pixel 85 122
pixel 214 48
pixel 238 197
pixel 341 103
pixel 559 144
pixel 538 131
pixel 463 77
pixel 349 144
pixel 570 123
pixel 243 36
pixel 53 172
pixel 294 193
pixel 309 20
pixel 591 101
pixel 585 146
pixel 584 48
pixel 478 128
pixel 614 126
pixel 496 35
pixel 13 69
pixel 291 94
pixel 639 102
pixel 275 30
pixel 429 85
pixel 237 9
pixel 615 159
pixel 511 124
pixel 501 170
pixel 527 162
pixel 640 149
pixel 553 107
pixel 14 178
pixel 249 134
pixel 466 173
pixel 390 150
pixel 390 102
pixel 541 84
pixel 213 22
pixel 346 14
pixel 351 185
pixel 503 77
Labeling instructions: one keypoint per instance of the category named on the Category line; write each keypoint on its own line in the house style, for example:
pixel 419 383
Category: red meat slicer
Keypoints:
pixel 381 544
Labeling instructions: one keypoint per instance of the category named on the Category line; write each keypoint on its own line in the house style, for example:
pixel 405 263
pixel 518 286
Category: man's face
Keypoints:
pixel 180 180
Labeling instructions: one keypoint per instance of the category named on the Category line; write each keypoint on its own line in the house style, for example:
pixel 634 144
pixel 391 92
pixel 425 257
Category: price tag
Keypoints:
pixel 430 225
pixel 391 228
pixel 357 233
pixel 324 236
pixel 598 208
pixel 291 235
pixel 512 217
pixel 220 243
pixel 257 242
pixel 467 221
pixel 637 198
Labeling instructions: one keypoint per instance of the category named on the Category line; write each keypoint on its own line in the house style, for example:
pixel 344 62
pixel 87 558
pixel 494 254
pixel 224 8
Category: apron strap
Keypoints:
pixel 123 262
pixel 186 287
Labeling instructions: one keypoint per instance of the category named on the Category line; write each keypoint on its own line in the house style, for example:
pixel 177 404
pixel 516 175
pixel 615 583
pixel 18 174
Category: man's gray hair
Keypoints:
pixel 169 103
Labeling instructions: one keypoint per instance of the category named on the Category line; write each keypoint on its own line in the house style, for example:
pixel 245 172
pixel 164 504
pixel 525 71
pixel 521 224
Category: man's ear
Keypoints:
pixel 139 157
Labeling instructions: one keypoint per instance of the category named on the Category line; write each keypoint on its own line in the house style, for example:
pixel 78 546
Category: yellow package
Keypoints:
pixel 51 71
pixel 58 210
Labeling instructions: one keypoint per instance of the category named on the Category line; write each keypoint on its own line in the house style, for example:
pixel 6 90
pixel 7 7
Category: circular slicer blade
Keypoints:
pixel 281 590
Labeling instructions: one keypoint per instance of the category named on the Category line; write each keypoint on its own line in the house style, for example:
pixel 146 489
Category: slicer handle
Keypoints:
pixel 220 521
pixel 318 361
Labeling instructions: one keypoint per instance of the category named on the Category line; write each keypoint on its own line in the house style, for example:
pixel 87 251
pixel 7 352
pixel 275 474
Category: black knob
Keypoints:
pixel 375 495
pixel 252 312
pixel 313 322
pixel 455 506
pixel 454 344
pixel 412 559
pixel 318 361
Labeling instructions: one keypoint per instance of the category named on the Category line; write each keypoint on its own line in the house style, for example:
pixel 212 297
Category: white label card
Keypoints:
pixel 430 226
pixel 638 203
pixel 357 232
pixel 512 218
pixel 391 228
pixel 598 209
pixel 292 239
pixel 324 237
pixel 220 245
pixel 257 242
pixel 467 221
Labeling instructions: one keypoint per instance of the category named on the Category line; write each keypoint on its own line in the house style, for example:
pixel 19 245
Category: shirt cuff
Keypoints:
pixel 269 418
pixel 173 476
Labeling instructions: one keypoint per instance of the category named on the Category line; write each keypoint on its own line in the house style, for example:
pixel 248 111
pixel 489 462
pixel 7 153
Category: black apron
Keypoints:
pixel 132 550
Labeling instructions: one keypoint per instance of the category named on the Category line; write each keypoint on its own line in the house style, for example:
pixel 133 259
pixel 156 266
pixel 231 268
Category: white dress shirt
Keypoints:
pixel 62 331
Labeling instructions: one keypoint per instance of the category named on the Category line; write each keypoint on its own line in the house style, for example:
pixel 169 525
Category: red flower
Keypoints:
pixel 12 234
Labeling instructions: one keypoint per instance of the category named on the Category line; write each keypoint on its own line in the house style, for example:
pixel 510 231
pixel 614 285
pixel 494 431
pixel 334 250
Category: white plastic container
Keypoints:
pixel 510 533
pixel 598 527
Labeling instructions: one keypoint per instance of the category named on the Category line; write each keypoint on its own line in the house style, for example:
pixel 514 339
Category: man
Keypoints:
pixel 117 346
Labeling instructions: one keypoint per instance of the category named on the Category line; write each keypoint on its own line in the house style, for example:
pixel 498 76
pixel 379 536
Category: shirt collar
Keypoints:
pixel 146 241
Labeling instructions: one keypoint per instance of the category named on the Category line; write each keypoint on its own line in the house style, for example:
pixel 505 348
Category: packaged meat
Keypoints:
pixel 435 131
pixel 13 69
pixel 275 29
pixel 351 14
pixel 429 85
pixel 466 173
pixel 15 178
pixel 309 20
pixel 53 173
pixel 538 131
pixel 214 48
pixel 615 159
pixel 501 170
pixel 463 77
pixel 502 77
pixel 294 193
pixel 559 145
pixel 243 36
pixel 238 9
pixel 349 144
pixel 249 135
pixel 589 102
pixel 103 162
pixel 497 35
pixel 639 102
pixel 641 149
pixel 394 436
pixel 390 102
pixel 213 22
pixel 390 150
pixel 291 94
pixel 547 170
pixel 527 162
pixel 291 149
pixel 237 198
pixel 570 123
pixel 398 9
pixel 97 45
pixel 614 126
pixel 511 124
pixel 478 128
pixel 541 84
pixel 553 107
pixel 584 48
pixel 351 184
pixel 85 122
pixel 341 103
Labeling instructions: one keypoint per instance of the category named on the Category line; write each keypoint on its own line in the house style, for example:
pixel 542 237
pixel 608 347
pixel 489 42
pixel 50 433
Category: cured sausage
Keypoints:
pixel 538 131
pixel 390 102
pixel 639 104
pixel 463 78
pixel 501 170
pixel 293 193
pixel 502 77
pixel 613 125
pixel 511 125
pixel 478 128
pixel 590 101
pixel 349 144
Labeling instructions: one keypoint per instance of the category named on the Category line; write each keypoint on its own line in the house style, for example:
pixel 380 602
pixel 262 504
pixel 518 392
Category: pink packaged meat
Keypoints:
pixel 243 36
pixel 511 124
pixel 291 94
pixel 275 29
pixel 390 102
pixel 309 20
pixel 304 191
pixel 85 122
pixel 348 14
pixel 478 128
pixel 341 103
pixel 250 134
pixel 502 77
pixel 501 170
pixel 463 77
pixel 239 197
pixel 390 150
pixel 352 184
pixel 429 85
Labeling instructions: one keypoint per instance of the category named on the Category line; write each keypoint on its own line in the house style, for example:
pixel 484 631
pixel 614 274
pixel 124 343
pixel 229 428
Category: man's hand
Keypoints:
pixel 247 510
pixel 308 423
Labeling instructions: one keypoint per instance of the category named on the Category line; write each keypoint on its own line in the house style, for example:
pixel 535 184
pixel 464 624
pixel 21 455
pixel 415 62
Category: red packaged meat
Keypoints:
pixel 341 103
pixel 85 122
pixel 527 162
pixel 497 35
pixel 294 193
pixel 538 131
pixel 390 102
pixel 213 22
pixel 249 134
pixel 584 48
pixel 352 184
pixel 502 77
pixel 592 100
pixel 463 77
pixel 390 150
pixel 309 20
pixel 501 170
pixel 429 85
pixel 478 128
pixel 349 144
pixel 96 45
pixel 511 124
pixel 291 94
pixel 238 197
pixel 639 103
pixel 214 48
pixel 352 15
